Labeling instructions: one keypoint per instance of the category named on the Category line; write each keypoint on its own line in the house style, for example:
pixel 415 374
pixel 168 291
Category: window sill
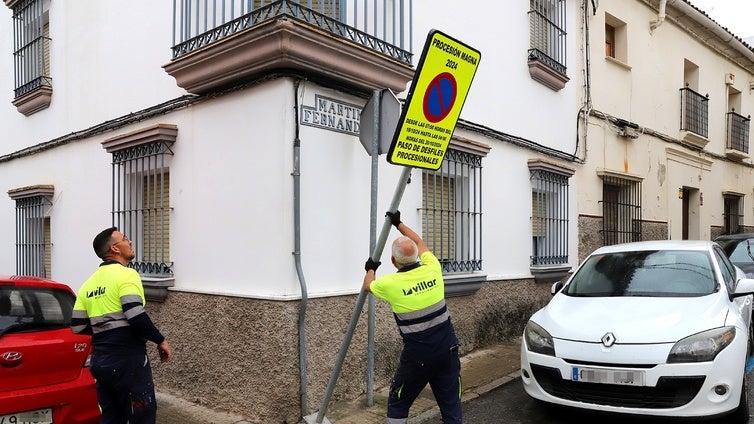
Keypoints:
pixel 617 62
pixel 34 101
pixel 736 154
pixel 463 284
pixel 547 76
pixel 694 139
pixel 549 273
pixel 280 45
pixel 156 288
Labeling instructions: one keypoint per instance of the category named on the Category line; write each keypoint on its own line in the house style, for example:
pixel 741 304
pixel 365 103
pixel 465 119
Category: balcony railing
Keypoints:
pixel 694 112
pixel 380 25
pixel 738 132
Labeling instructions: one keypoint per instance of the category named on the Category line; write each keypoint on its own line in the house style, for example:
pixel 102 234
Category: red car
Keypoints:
pixel 44 377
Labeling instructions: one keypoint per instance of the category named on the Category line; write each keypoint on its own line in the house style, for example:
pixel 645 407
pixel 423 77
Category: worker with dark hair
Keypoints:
pixel 110 307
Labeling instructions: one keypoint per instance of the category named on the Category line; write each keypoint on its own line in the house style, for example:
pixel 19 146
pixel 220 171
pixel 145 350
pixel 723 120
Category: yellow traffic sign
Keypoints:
pixel 434 102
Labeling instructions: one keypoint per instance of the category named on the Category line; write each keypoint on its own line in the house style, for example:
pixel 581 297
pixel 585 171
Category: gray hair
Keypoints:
pixel 405 251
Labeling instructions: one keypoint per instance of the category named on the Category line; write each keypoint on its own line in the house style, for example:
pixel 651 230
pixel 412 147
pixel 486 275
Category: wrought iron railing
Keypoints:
pixel 738 132
pixel 549 218
pixel 621 210
pixel 694 112
pixel 380 25
pixel 452 212
pixel 547 20
pixel 31 47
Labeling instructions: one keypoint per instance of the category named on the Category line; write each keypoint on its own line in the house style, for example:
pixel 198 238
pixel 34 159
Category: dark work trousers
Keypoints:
pixel 125 389
pixel 443 373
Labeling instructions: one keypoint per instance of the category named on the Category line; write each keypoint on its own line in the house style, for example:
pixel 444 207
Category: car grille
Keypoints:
pixel 670 392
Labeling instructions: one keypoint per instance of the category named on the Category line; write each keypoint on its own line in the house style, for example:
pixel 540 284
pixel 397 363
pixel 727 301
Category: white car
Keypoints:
pixel 656 328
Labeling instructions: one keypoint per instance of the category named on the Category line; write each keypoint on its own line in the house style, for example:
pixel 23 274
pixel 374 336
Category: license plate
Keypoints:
pixel 40 416
pixel 607 376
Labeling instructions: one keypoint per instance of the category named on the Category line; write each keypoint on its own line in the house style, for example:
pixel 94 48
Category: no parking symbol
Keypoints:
pixel 441 83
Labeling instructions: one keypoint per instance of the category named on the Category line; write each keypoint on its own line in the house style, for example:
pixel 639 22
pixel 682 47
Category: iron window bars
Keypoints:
pixel 452 212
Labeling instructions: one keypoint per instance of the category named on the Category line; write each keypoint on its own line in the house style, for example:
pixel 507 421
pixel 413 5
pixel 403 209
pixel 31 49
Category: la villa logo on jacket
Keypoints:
pixel 424 285
pixel 99 291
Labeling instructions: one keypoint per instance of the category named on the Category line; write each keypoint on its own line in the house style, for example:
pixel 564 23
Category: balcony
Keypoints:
pixel 359 44
pixel 737 145
pixel 694 118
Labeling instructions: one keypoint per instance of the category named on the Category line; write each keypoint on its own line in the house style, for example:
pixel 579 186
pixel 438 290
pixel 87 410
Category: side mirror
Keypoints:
pixel 744 287
pixel 558 287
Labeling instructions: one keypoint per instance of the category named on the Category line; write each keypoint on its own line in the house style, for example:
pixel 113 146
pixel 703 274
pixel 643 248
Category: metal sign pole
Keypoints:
pixel 376 253
pixel 372 240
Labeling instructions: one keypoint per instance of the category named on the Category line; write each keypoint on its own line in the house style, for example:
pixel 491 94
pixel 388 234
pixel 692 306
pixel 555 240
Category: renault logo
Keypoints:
pixel 608 339
pixel 10 359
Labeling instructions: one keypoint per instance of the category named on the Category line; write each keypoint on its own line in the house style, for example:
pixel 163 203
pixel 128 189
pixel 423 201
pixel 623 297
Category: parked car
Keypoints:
pixel 44 374
pixel 740 250
pixel 657 328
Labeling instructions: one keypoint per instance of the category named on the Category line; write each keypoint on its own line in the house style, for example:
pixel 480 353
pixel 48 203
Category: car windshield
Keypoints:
pixel 738 250
pixel 32 308
pixel 660 273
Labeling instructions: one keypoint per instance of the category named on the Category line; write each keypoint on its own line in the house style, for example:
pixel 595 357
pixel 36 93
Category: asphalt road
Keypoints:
pixel 511 405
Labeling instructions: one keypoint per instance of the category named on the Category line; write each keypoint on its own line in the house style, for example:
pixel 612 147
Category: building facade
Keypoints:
pixel 666 118
pixel 222 137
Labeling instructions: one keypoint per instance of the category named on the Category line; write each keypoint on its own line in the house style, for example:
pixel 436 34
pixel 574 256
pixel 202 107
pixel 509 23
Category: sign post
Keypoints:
pixel 441 83
pixel 433 105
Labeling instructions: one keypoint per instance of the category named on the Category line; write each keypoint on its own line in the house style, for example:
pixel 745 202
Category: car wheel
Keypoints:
pixel 741 414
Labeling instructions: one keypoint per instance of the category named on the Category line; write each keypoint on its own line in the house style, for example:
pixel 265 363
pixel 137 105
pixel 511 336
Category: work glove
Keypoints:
pixel 395 218
pixel 371 265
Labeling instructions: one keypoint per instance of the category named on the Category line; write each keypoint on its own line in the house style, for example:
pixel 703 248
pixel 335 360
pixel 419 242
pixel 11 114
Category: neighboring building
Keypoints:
pixel 668 116
pixel 223 138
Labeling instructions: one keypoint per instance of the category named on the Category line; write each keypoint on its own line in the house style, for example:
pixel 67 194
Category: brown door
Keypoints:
pixel 685 214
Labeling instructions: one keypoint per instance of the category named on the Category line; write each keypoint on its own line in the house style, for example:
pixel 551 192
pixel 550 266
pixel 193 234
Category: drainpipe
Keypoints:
pixel 660 17
pixel 297 253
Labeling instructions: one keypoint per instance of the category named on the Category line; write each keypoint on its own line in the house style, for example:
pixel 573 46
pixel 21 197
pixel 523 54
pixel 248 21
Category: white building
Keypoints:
pixel 224 143
pixel 669 113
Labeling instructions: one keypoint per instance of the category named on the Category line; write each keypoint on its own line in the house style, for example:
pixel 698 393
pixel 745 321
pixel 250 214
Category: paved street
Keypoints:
pixel 509 404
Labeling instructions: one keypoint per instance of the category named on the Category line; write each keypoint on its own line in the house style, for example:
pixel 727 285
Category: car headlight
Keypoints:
pixel 702 347
pixel 538 339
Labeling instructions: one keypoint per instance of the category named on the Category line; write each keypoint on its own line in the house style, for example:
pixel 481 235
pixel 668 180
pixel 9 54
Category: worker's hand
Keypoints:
pixel 165 351
pixel 395 218
pixel 371 265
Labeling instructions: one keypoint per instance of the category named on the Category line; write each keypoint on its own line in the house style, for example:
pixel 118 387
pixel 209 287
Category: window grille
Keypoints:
pixel 141 204
pixel 621 209
pixel 733 214
pixel 452 212
pixel 33 252
pixel 738 132
pixel 694 112
pixel 549 218
pixel 31 46
pixel 547 31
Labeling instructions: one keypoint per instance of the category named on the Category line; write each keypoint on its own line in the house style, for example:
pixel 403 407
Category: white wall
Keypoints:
pixel 231 188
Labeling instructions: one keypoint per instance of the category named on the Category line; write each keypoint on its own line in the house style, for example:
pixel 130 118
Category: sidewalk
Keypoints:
pixel 481 371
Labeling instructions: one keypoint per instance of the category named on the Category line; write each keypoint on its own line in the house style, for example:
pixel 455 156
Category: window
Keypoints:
pixel 549 217
pixel 733 214
pixel 737 130
pixel 33 85
pixel 452 211
pixel 33 256
pixel 141 195
pixel 616 45
pixel 609 41
pixel 621 210
pixel 547 46
pixel 694 108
